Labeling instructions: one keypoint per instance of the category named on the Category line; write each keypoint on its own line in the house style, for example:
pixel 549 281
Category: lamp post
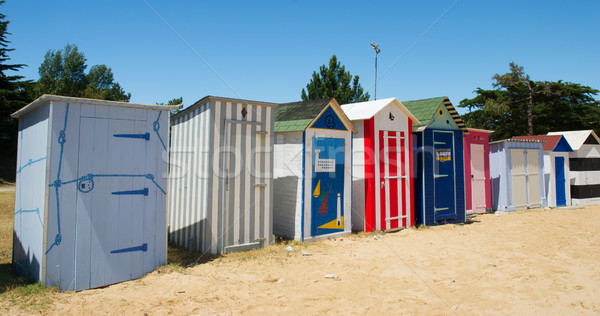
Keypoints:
pixel 377 50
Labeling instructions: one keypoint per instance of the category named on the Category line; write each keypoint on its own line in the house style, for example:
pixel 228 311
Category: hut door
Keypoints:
pixel 478 177
pixel 327 202
pixel 533 179
pixel 519 178
pixel 244 184
pixel 112 192
pixel 393 180
pixel 561 198
pixel 443 176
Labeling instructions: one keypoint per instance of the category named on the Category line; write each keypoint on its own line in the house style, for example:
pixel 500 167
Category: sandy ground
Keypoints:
pixel 528 262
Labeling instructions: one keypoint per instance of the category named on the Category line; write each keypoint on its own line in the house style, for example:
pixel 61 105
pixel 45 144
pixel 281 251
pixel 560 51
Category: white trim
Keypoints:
pixel 48 98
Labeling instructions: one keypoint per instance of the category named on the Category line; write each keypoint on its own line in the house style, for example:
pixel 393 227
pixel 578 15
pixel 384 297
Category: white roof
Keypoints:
pixel 48 97
pixel 368 109
pixel 576 138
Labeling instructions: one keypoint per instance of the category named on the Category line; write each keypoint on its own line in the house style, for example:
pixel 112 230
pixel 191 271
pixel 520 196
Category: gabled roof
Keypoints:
pixel 58 98
pixel 368 109
pixel 424 110
pixel 297 116
pixel 577 138
pixel 552 142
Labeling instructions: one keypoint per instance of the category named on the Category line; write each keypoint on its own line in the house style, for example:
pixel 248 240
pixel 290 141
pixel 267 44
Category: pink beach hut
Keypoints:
pixel 478 195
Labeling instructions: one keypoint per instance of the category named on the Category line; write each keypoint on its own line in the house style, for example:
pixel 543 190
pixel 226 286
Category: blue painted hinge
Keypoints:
pixel 143 248
pixel 143 136
pixel 144 192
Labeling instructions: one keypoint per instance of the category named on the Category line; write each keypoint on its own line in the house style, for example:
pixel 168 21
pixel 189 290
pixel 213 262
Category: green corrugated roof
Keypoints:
pixel 295 116
pixel 424 109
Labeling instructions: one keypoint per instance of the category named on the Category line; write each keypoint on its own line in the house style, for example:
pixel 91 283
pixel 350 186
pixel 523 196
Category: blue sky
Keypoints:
pixel 267 50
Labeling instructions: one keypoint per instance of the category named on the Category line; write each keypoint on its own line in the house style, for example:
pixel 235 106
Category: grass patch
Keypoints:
pixel 17 292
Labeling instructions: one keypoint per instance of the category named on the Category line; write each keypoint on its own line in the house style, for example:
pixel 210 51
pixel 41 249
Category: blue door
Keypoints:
pixel 327 199
pixel 559 165
pixel 443 176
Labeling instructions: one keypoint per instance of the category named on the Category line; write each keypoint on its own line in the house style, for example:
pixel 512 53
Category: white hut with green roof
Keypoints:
pixel 312 170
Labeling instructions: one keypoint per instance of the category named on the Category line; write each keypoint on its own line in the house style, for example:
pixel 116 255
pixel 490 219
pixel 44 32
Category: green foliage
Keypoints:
pixel 554 106
pixel 63 73
pixel 334 81
pixel 14 94
pixel 174 101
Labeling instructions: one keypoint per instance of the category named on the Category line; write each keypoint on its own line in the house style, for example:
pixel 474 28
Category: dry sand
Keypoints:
pixel 529 262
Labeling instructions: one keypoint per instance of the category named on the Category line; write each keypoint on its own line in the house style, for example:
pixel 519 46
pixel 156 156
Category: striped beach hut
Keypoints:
pixel 382 184
pixel 91 191
pixel 220 178
pixel 556 168
pixel 312 170
pixel 584 164
pixel 439 162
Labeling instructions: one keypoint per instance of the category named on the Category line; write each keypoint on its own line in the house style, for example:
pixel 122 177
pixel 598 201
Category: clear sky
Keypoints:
pixel 267 50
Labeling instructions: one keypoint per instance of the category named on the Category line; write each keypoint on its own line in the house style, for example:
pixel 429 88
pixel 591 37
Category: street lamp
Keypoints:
pixel 377 50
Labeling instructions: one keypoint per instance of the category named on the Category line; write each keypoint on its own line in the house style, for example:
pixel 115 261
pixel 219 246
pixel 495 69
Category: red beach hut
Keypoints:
pixel 382 169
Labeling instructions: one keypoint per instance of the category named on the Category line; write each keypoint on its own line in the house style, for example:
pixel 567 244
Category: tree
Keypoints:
pixel 13 96
pixel 101 85
pixel 63 73
pixel 174 101
pixel 521 106
pixel 334 81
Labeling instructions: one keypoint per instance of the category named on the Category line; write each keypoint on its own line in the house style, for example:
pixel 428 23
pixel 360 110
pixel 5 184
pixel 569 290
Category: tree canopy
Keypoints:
pixel 14 94
pixel 63 73
pixel 520 106
pixel 334 81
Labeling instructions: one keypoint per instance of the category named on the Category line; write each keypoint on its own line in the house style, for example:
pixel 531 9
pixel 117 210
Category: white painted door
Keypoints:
pixel 519 178
pixel 111 189
pixel 477 178
pixel 534 198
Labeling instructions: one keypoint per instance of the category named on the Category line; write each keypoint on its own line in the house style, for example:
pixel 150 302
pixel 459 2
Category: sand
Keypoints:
pixel 528 262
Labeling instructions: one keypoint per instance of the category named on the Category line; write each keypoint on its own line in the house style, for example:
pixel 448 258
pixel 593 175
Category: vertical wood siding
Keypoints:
pixel 101 191
pixel 220 178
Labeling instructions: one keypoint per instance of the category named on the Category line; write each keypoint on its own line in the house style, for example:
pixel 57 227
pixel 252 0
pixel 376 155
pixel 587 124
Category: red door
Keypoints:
pixel 393 181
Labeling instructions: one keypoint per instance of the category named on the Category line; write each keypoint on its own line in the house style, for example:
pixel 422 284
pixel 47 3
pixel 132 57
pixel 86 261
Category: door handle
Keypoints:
pixel 382 184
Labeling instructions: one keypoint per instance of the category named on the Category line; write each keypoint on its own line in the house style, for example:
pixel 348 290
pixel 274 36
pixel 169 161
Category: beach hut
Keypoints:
pixel 220 177
pixel 382 165
pixel 556 168
pixel 312 175
pixel 516 169
pixel 90 199
pixel 439 162
pixel 584 163
pixel 478 195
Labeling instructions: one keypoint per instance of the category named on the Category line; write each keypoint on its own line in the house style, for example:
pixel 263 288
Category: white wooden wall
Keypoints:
pixel 287 184
pixel 358 177
pixel 550 176
pixel 102 235
pixel 30 193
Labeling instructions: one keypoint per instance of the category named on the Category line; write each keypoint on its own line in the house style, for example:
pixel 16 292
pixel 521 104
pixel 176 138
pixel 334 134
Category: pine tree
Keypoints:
pixel 13 96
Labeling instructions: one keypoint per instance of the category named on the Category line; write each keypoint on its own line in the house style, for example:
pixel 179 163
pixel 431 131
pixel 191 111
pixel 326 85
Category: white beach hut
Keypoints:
pixel 90 201
pixel 313 170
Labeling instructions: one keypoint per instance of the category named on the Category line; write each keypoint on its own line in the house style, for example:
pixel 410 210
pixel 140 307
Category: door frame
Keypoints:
pixel 402 181
pixel 453 155
pixel 225 182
